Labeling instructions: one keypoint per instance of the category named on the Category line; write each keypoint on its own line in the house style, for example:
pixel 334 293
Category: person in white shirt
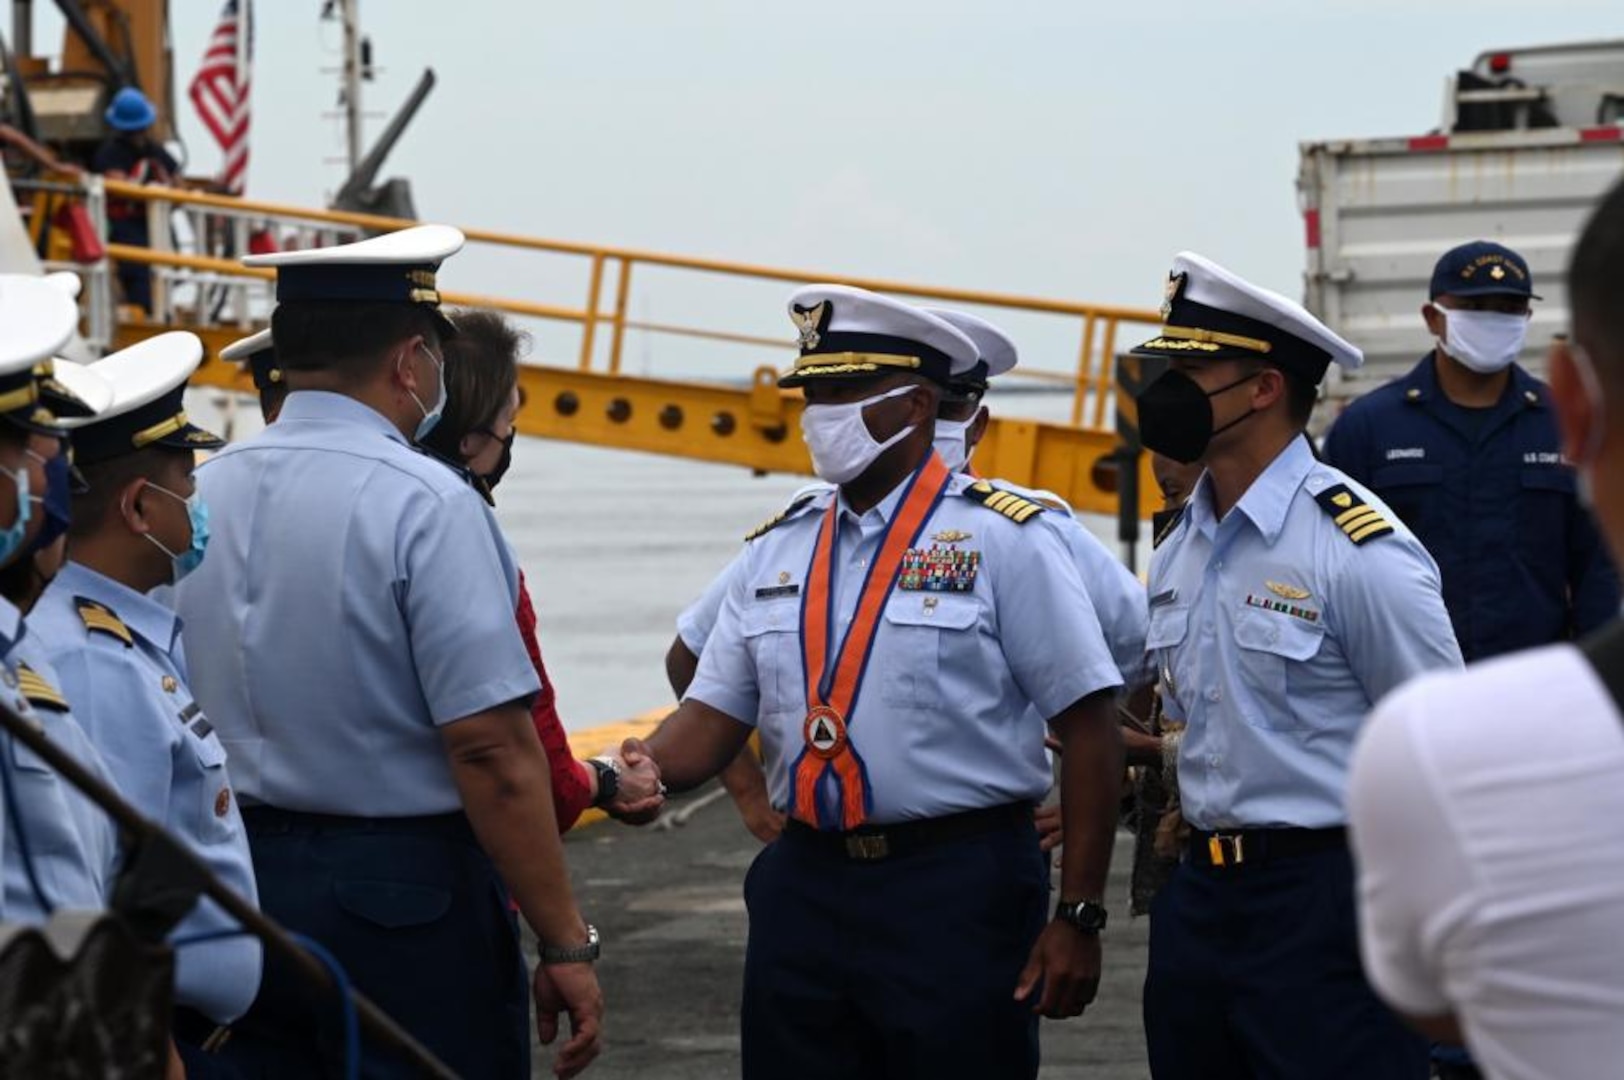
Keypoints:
pixel 1484 804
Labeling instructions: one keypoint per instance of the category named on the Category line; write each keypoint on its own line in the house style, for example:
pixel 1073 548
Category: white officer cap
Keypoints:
pixel 39 316
pixel 996 350
pixel 257 353
pixel 67 281
pixel 1212 314
pixel 849 333
pixel 83 383
pixel 148 382
pixel 396 268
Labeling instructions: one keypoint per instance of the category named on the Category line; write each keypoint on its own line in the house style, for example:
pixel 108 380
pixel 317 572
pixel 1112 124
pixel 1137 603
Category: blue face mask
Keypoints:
pixel 58 501
pixel 431 417
pixel 11 539
pixel 197 512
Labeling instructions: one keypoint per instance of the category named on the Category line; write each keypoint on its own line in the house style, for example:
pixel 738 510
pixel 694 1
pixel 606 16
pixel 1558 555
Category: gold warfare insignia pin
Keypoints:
pixel 222 802
pixel 1287 592
pixel 169 684
pixel 807 323
pixel 783 577
pixel 1342 499
pixel 951 536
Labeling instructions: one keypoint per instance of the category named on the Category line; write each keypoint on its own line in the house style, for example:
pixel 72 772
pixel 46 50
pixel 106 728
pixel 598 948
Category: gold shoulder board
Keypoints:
pixel 779 518
pixel 37 690
pixel 1358 520
pixel 100 618
pixel 1012 506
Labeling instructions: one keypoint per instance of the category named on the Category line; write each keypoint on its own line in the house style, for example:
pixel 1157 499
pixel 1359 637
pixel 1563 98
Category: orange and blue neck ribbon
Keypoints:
pixel 831 696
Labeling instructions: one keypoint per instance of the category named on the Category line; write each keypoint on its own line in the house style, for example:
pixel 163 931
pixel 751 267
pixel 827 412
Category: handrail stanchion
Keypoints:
pixel 589 325
pixel 1080 395
pixel 623 289
pixel 1102 372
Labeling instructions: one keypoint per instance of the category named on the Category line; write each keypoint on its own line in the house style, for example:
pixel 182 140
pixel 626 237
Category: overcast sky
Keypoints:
pixel 1059 149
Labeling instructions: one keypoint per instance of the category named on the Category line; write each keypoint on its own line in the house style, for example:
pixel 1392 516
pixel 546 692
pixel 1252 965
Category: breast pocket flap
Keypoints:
pixel 1168 625
pixel 932 610
pixel 1281 635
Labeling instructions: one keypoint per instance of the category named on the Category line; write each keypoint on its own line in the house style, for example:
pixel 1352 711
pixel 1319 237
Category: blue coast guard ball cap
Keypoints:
pixel 130 111
pixel 1482 268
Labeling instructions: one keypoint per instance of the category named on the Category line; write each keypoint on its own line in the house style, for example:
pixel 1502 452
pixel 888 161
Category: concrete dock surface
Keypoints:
pixel 668 901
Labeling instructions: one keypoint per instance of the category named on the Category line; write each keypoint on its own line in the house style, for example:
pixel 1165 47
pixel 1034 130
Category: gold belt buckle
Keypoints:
pixel 868 847
pixel 1216 853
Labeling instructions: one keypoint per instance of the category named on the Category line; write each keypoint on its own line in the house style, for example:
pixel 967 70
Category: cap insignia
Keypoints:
pixel 807 322
pixel 1497 272
pixel 1170 292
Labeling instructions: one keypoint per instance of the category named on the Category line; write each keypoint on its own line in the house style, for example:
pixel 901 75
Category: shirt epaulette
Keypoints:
pixel 39 692
pixel 1012 506
pixel 1167 530
pixel 1357 519
pixel 779 518
pixel 100 617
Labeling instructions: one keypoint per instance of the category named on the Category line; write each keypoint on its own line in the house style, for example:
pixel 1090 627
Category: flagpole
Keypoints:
pixel 245 42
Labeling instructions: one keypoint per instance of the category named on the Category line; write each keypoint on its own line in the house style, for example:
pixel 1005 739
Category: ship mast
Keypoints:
pixel 351 74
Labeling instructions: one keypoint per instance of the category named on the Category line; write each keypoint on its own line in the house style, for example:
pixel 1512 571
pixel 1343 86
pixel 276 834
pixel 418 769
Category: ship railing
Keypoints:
pixel 198 237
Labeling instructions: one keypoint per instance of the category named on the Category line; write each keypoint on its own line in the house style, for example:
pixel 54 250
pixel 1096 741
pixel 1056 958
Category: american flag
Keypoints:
pixel 220 90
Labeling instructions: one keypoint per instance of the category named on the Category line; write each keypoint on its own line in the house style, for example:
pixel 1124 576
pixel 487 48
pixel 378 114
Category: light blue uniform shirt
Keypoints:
pixel 947 718
pixel 1117 595
pixel 72 842
pixel 356 595
pixel 1274 698
pixel 132 701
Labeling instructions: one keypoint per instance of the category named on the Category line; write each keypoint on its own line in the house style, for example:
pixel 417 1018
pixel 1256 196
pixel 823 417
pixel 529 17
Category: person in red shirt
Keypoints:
pixel 476 435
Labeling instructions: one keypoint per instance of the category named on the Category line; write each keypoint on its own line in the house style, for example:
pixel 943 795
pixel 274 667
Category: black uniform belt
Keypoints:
pixel 874 843
pixel 1239 847
pixel 269 821
pixel 193 1028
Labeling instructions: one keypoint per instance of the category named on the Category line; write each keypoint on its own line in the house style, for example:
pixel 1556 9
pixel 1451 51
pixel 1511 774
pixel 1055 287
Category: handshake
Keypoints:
pixel 629 787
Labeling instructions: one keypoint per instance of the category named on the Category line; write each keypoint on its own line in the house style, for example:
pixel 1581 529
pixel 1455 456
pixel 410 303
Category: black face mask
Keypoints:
pixel 1175 415
pixel 494 477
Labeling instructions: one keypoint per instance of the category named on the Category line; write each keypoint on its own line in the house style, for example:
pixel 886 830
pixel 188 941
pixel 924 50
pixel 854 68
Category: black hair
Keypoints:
pixel 1594 297
pixel 344 336
pixel 481 370
pixel 107 478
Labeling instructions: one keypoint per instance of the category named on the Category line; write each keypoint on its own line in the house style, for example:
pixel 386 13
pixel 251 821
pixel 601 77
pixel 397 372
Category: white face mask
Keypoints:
pixel 952 443
pixel 1586 371
pixel 839 440
pixel 1484 341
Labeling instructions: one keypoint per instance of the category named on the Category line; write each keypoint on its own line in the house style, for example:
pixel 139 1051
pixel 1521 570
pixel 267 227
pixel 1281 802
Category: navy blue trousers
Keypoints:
pixel 416 914
pixel 904 968
pixel 1254 973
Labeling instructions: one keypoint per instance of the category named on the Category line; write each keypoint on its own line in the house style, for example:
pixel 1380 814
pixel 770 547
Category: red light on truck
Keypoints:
pixel 1500 63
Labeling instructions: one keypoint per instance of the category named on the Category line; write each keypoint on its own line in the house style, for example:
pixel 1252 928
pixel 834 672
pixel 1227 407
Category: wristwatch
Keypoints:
pixel 574 954
pixel 608 770
pixel 1084 915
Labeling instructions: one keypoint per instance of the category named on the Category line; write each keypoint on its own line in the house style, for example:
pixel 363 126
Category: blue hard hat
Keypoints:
pixel 130 111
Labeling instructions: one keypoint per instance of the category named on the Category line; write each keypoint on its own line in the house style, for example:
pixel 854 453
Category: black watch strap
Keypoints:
pixel 1085 915
pixel 608 781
